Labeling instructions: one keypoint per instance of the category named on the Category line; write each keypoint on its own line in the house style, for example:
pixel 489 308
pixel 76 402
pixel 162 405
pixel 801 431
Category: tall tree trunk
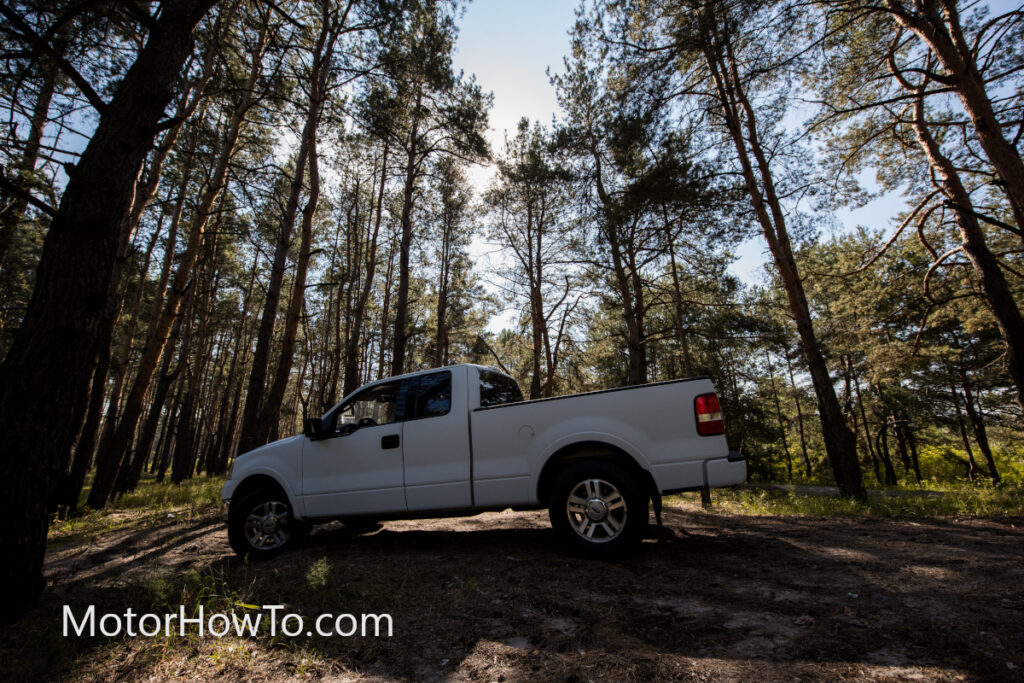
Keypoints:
pixel 994 287
pixel 71 489
pixel 385 309
pixel 883 449
pixel 87 440
pixel 901 445
pixel 272 405
pixel 262 409
pixel 145 441
pixel 739 115
pixel 181 460
pixel 882 441
pixel 13 209
pixel 937 23
pixel 778 414
pixel 358 313
pixel 800 420
pixel 977 422
pixel 110 459
pixel 225 422
pixel 631 301
pixel 441 336
pixel 972 467
pixel 144 444
pixel 867 427
pixel 252 434
pixel 677 302
pixel 64 319
pixel 908 430
pixel 400 337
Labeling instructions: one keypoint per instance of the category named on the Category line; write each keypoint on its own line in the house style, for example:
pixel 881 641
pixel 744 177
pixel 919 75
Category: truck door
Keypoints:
pixel 436 442
pixel 358 469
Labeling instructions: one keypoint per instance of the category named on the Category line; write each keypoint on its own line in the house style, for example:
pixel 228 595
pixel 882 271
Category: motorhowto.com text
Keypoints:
pixel 255 620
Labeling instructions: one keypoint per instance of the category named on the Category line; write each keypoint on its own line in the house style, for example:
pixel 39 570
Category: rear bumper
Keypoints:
pixel 698 474
pixel 728 471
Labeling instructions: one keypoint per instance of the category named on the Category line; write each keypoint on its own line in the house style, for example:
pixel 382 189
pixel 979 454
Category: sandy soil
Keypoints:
pixel 494 598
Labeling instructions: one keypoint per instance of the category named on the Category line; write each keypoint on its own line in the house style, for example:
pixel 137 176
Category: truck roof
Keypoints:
pixel 428 370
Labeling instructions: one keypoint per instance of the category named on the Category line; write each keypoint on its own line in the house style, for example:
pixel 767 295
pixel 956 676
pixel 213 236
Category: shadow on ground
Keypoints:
pixel 494 597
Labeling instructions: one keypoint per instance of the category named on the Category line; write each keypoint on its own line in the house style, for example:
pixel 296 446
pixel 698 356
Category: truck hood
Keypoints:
pixel 289 444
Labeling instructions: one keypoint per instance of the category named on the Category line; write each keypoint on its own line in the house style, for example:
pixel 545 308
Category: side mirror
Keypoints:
pixel 313 428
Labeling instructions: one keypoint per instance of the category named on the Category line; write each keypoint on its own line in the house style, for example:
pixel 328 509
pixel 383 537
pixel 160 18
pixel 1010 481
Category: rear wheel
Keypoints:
pixel 261 525
pixel 598 507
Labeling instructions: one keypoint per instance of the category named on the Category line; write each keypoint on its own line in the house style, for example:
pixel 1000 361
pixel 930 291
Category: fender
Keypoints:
pixel 277 476
pixel 602 437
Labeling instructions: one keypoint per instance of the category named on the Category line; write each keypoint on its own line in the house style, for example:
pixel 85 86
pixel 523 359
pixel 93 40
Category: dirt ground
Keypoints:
pixel 494 598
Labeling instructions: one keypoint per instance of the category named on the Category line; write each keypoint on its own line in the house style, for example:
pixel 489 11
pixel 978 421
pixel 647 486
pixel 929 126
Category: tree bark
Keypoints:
pixel 739 114
pixel 400 338
pixel 994 287
pixel 352 343
pixel 46 400
pixel 271 410
pixel 631 299
pixel 110 458
pixel 937 24
pixel 972 466
pixel 263 409
pixel 800 419
pixel 912 443
pixel 977 422
pixel 13 211
pixel 778 414
pixel 385 310
pixel 681 332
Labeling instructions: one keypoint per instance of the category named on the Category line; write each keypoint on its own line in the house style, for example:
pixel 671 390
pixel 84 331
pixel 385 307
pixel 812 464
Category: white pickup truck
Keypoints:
pixel 461 439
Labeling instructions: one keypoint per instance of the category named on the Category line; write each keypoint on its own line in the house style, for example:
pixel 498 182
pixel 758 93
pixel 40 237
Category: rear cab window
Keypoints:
pixel 497 389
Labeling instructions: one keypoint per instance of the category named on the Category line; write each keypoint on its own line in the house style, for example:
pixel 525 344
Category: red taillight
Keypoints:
pixel 709 415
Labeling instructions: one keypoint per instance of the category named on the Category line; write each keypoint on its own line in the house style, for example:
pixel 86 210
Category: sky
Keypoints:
pixel 510 44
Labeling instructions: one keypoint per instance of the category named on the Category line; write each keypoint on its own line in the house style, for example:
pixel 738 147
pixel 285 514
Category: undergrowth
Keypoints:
pixel 150 504
pixel 948 501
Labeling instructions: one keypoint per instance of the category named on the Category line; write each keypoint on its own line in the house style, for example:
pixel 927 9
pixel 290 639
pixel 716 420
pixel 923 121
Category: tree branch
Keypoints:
pixel 41 46
pixel 28 197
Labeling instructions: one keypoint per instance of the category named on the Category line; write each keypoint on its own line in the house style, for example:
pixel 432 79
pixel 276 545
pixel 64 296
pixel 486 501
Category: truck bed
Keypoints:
pixel 653 423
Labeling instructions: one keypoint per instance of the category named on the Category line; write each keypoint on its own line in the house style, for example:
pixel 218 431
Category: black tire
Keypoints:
pixel 599 508
pixel 280 531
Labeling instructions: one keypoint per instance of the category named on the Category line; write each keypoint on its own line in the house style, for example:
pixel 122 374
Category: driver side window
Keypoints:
pixel 377 405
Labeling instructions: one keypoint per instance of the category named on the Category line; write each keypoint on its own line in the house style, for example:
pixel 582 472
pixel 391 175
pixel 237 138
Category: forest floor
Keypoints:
pixel 493 598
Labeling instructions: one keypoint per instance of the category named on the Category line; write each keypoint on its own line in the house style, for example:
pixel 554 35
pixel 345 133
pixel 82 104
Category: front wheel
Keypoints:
pixel 260 525
pixel 598 507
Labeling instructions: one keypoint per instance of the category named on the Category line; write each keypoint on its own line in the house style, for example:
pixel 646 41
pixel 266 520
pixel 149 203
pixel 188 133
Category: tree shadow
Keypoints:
pixel 499 596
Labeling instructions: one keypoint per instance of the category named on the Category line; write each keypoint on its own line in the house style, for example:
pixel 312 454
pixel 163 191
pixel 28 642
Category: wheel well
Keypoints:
pixel 260 481
pixel 589 450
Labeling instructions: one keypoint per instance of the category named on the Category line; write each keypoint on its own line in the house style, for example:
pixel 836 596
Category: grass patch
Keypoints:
pixel 950 501
pixel 38 650
pixel 197 492
pixel 151 504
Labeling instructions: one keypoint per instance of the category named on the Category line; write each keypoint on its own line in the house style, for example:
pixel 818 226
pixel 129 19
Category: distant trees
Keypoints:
pixel 425 110
pixel 529 207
